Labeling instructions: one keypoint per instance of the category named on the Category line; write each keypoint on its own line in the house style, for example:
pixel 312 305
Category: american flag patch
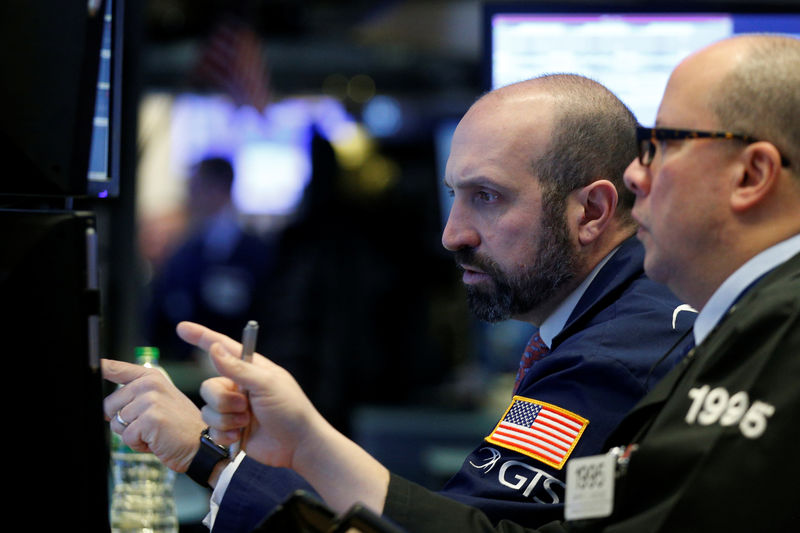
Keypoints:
pixel 539 430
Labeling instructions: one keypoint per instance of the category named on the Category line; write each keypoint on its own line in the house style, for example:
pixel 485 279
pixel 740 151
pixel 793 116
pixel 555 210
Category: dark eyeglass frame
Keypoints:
pixel 646 140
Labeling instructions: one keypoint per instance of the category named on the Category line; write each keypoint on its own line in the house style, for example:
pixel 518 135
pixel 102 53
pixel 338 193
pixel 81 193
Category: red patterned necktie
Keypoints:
pixel 535 350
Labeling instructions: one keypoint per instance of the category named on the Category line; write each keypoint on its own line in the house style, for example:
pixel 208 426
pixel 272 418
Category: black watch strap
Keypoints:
pixel 206 458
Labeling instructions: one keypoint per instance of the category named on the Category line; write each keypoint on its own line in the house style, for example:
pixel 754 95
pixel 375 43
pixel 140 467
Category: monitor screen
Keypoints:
pixel 270 151
pixel 103 174
pixel 632 52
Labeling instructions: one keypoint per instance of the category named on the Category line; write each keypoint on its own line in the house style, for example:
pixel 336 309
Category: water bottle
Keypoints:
pixel 143 499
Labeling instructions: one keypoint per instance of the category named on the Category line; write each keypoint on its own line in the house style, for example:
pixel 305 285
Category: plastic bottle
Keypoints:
pixel 143 500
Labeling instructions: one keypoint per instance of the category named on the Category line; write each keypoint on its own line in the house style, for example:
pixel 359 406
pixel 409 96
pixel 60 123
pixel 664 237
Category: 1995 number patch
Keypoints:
pixel 712 406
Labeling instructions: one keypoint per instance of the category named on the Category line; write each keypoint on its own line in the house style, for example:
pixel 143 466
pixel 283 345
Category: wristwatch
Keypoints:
pixel 206 458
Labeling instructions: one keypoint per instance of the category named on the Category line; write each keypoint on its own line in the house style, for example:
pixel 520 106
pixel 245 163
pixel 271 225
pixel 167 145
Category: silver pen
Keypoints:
pixel 249 336
pixel 249 340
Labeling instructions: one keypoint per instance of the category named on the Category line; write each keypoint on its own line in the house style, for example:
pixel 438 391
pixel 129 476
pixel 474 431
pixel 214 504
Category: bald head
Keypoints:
pixel 592 135
pixel 758 90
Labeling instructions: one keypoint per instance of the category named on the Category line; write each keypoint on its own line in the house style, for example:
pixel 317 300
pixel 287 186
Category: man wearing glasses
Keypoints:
pixel 719 216
pixel 711 447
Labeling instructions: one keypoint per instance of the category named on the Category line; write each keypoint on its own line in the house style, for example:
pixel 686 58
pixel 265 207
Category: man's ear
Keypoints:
pixel 761 168
pixel 597 204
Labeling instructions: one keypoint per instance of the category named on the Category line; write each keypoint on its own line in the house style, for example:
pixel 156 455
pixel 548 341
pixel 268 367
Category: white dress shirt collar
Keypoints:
pixel 553 324
pixel 731 288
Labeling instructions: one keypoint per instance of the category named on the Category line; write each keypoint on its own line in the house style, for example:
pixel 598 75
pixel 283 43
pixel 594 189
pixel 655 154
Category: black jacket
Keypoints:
pixel 716 449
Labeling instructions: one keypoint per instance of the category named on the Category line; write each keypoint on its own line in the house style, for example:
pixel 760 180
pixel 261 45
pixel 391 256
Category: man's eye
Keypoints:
pixel 487 196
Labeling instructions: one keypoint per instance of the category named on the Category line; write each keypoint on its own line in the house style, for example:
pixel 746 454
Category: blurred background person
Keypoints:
pixel 216 273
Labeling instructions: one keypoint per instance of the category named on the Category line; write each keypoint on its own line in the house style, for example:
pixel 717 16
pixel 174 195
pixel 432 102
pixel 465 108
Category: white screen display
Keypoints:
pixel 630 53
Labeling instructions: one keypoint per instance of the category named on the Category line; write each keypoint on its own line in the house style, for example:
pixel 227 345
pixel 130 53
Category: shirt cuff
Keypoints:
pixel 219 490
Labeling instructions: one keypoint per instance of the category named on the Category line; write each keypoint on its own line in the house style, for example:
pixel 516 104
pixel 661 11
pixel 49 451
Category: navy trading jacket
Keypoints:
pixel 619 340
pixel 624 334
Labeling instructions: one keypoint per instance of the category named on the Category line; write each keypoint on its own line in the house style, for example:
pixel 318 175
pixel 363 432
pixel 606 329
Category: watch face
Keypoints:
pixel 222 451
pixel 208 455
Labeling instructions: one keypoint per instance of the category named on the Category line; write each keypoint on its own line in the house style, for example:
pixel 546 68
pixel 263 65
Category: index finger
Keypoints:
pixel 120 372
pixel 203 337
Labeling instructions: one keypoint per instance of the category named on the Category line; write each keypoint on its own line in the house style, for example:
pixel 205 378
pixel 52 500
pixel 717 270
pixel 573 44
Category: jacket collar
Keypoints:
pixel 616 275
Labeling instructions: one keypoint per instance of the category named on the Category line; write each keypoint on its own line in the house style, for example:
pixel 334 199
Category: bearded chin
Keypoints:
pixel 490 306
pixel 512 298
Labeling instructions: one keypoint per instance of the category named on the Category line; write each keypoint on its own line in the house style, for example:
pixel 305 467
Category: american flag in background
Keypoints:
pixel 539 430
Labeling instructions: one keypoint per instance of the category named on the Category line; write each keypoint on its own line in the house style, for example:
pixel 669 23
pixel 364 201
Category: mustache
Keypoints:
pixel 469 257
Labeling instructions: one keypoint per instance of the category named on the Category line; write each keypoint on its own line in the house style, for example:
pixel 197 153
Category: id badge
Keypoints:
pixel 590 487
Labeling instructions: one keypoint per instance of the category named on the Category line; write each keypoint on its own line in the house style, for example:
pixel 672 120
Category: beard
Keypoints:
pixel 517 293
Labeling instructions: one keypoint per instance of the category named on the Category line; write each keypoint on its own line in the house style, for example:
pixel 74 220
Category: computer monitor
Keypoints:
pixel 631 50
pixel 270 151
pixel 51 63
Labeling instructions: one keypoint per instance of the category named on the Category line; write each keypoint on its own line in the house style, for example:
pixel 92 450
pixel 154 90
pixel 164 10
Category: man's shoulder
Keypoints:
pixel 784 277
pixel 623 279
pixel 634 324
pixel 772 301
pixel 623 299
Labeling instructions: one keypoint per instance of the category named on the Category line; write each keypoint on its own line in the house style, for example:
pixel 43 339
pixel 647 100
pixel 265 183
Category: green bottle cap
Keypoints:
pixel 146 354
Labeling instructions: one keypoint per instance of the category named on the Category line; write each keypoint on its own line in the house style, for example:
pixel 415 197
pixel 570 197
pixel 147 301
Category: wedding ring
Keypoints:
pixel 120 420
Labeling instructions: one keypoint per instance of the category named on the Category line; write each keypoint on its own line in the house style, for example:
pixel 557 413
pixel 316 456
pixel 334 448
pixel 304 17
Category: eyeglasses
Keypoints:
pixel 646 139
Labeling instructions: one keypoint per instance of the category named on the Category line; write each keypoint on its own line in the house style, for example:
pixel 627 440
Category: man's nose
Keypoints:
pixel 458 232
pixel 637 178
